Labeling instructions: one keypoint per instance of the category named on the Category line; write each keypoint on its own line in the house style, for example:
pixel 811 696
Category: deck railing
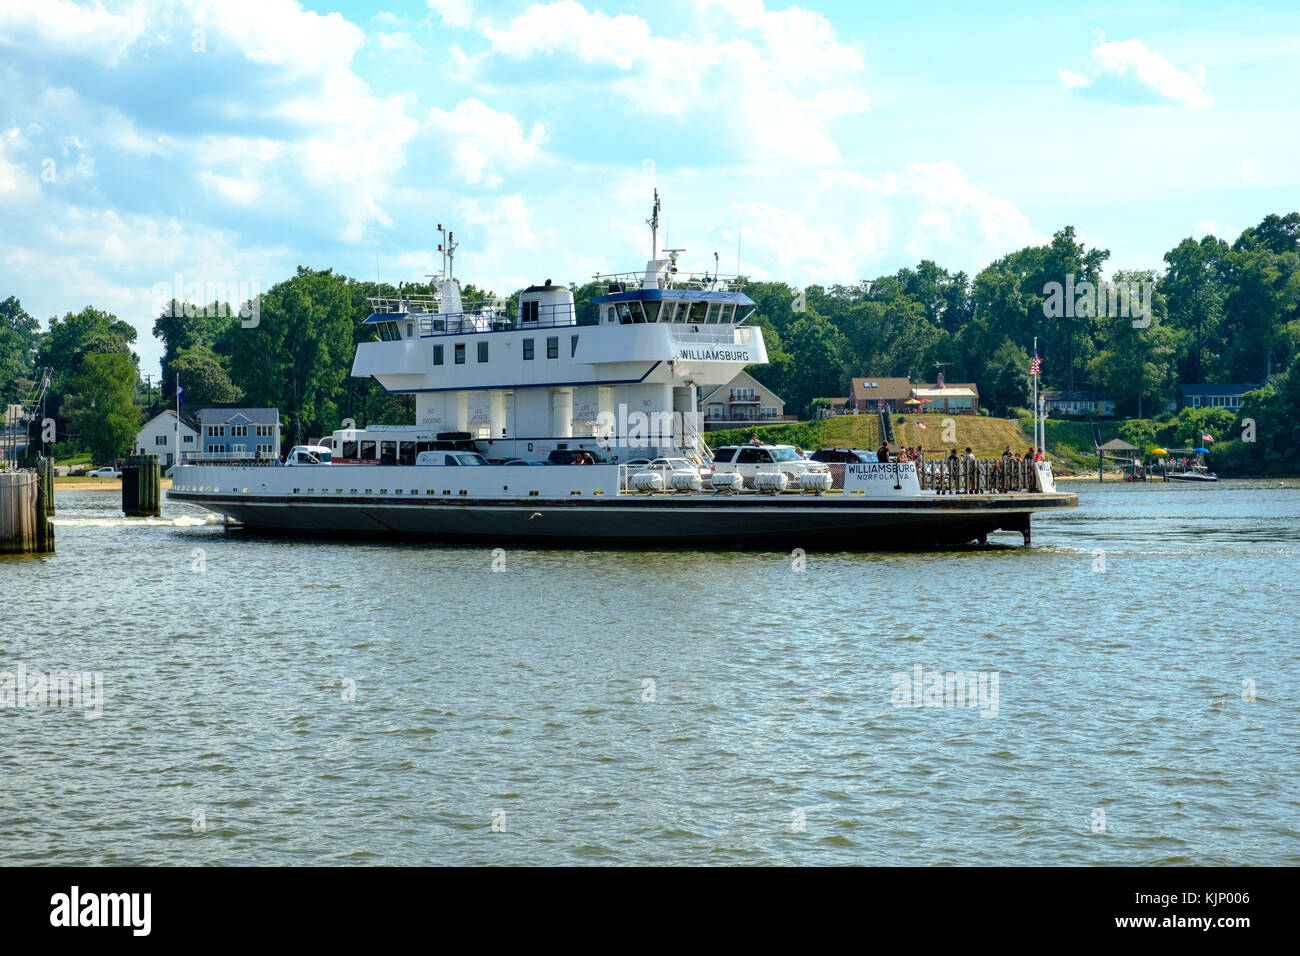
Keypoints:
pixel 963 476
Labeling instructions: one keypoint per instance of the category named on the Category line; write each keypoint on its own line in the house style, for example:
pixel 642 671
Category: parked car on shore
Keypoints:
pixel 107 471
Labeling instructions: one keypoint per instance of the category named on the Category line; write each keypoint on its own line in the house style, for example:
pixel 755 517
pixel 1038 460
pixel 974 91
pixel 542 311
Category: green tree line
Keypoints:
pixel 1218 312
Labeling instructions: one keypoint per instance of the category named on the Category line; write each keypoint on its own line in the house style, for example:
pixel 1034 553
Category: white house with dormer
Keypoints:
pixel 160 437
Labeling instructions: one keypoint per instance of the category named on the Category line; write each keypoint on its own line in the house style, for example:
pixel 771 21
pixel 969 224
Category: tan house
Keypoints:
pixel 742 401
pixel 955 398
pixel 879 394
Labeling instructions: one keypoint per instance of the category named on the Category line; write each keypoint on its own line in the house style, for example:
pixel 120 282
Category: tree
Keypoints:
pixel 817 369
pixel 1138 432
pixel 298 355
pixel 1006 378
pixel 185 327
pixel 1136 363
pixel 204 380
pixel 102 407
pixel 19 335
pixel 1193 285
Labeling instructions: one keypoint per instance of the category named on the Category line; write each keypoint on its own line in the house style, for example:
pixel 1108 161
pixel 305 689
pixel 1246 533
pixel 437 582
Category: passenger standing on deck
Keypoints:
pixel 882 453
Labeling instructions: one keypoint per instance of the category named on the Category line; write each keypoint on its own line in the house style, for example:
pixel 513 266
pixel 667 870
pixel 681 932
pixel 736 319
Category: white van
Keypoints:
pixel 309 455
pixel 749 460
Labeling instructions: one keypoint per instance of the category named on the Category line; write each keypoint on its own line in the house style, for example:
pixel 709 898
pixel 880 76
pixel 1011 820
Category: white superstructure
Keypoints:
pixel 627 371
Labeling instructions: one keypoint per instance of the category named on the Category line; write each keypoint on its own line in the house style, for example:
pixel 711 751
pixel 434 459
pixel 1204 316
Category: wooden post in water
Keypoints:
pixel 44 506
pixel 46 469
pixel 24 528
pixel 141 479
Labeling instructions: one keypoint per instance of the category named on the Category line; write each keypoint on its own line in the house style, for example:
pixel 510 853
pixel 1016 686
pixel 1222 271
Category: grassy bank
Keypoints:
pixel 987 437
pixel 1069 443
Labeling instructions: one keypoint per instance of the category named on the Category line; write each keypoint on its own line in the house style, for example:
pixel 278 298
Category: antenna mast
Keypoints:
pixel 448 250
pixel 653 223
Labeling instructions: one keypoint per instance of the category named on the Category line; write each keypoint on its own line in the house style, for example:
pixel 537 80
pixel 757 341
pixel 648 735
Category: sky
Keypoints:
pixel 150 144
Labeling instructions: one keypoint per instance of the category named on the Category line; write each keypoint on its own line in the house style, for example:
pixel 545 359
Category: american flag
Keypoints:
pixel 1207 437
pixel 1035 365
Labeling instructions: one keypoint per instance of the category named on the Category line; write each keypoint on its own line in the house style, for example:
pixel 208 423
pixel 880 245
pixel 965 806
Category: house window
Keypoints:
pixel 528 350
pixel 573 345
pixel 216 431
pixel 213 449
pixel 437 355
pixel 239 431
pixel 482 351
pixel 460 353
pixel 187 439
pixel 263 450
pixel 553 347
pixel 265 431
pixel 239 449
pixel 160 439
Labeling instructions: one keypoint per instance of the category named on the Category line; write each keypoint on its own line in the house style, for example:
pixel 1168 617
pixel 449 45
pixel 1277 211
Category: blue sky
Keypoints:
pixel 229 141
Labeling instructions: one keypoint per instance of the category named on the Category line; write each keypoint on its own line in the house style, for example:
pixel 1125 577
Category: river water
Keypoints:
pixel 272 701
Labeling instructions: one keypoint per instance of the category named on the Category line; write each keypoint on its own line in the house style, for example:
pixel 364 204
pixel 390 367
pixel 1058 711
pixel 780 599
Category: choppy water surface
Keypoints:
pixel 523 697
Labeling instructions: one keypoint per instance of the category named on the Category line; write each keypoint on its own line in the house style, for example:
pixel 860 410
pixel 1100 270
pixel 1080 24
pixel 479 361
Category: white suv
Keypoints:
pixel 749 460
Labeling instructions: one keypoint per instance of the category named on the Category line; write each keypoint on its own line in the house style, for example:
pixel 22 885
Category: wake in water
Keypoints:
pixel 184 521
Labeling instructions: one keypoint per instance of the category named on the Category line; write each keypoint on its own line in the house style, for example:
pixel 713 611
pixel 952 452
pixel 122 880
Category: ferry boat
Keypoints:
pixel 616 386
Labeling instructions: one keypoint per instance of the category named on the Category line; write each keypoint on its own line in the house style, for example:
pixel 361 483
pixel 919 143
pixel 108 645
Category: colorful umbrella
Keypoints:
pixel 1201 451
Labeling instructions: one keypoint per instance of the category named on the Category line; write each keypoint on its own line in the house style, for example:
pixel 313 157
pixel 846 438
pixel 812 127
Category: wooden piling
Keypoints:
pixel 24 528
pixel 46 470
pixel 141 482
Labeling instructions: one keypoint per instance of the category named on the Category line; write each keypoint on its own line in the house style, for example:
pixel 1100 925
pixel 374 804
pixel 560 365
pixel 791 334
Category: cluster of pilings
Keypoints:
pixel 26 503
pixel 141 483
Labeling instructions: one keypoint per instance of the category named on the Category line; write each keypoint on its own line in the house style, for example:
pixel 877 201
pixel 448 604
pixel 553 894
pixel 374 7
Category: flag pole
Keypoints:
pixel 1037 443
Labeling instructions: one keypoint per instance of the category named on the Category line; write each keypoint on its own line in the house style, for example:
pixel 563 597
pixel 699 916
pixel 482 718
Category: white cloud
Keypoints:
pixel 242 192
pixel 845 225
pixel 1122 69
pixel 454 13
pixel 12 177
pixel 483 141
pixel 1206 227
pixel 398 41
pixel 772 80
pixel 90 29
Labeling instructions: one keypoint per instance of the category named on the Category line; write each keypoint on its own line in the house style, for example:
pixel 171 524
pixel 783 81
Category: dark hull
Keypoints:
pixel 650 521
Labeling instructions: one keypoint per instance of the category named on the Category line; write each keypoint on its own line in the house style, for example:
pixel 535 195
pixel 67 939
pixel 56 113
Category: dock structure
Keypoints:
pixel 141 482
pixel 25 527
